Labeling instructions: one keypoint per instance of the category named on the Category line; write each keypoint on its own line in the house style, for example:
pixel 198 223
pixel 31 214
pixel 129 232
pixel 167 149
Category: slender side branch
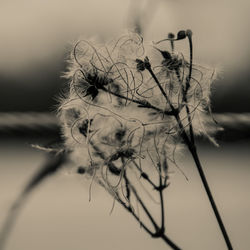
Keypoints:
pixel 193 151
pixel 143 205
pixel 159 233
pixel 170 242
pixel 144 175
pixel 191 146
pixel 189 35
pixel 161 188
pixel 130 210
pixel 144 104
pixel 173 110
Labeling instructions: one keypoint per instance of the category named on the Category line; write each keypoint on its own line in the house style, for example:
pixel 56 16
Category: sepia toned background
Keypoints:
pixel 35 38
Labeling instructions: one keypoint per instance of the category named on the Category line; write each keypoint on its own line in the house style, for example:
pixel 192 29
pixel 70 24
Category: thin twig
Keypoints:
pixel 144 175
pixel 191 146
pixel 193 151
pixel 144 104
pixel 161 188
pixel 159 233
pixel 143 206
pixel 161 89
pixel 188 85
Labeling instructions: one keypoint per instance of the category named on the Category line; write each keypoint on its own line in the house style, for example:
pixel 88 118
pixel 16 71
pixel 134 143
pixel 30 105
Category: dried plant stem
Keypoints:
pixel 163 236
pixel 144 175
pixel 159 230
pixel 169 242
pixel 139 102
pixel 194 154
pixel 161 188
pixel 180 97
pixel 188 86
pixel 192 148
pixel 161 89
pixel 143 205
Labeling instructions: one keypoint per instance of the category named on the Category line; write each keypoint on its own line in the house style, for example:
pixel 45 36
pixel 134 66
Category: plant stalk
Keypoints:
pixel 210 196
pixel 193 151
pixel 191 143
pixel 169 242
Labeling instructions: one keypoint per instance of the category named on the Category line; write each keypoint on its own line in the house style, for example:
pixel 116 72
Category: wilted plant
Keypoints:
pixel 131 106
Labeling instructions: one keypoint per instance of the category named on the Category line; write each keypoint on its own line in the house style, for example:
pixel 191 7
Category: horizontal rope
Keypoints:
pixel 233 120
pixel 28 121
pixel 47 120
pixel 35 122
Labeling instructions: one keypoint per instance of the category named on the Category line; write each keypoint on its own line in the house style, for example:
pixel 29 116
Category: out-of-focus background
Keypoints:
pixel 34 37
pixel 33 47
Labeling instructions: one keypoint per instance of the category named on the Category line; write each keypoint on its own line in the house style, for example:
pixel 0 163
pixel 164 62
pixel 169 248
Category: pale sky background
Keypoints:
pixel 35 34
pixel 35 31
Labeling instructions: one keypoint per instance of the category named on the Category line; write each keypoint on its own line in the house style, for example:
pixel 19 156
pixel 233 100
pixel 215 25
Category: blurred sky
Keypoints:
pixel 34 36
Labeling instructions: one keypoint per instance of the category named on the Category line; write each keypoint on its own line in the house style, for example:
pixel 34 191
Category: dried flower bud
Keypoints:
pixel 166 55
pixel 171 35
pixel 83 129
pixel 147 63
pixel 189 33
pixel 181 35
pixel 119 135
pixel 81 170
pixel 140 65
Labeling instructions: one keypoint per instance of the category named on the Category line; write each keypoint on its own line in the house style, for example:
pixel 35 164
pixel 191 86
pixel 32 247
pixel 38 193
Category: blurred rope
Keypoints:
pixel 29 120
pixel 44 120
pixel 47 123
pixel 28 123
pixel 233 120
